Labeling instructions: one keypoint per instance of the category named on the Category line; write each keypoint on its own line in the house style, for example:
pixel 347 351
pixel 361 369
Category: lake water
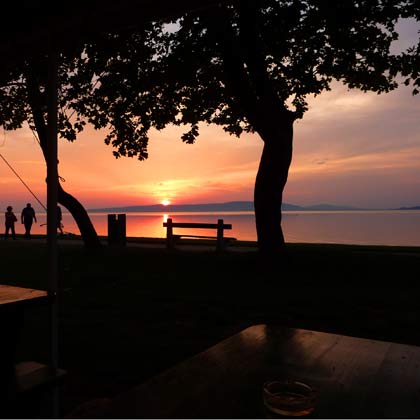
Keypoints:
pixel 345 227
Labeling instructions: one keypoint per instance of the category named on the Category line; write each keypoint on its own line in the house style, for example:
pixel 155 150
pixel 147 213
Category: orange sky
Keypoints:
pixel 350 148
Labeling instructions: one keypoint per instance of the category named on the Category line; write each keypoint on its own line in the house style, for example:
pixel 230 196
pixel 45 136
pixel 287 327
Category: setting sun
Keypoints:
pixel 165 202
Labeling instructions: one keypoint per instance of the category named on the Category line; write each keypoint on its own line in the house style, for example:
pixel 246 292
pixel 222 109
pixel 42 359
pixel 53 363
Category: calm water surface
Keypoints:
pixel 346 227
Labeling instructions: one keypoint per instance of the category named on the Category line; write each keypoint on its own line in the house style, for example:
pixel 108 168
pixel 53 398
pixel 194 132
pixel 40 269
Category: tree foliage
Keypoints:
pixel 174 72
pixel 409 61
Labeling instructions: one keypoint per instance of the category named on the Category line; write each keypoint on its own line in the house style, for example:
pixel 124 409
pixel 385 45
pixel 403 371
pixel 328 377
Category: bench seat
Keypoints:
pixel 33 375
pixel 31 393
pixel 176 237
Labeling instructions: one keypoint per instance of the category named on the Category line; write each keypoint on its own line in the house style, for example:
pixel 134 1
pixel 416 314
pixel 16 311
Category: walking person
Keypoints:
pixel 10 220
pixel 27 217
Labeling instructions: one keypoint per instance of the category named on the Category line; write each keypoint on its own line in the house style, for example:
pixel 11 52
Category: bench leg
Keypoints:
pixel 169 235
pixel 220 242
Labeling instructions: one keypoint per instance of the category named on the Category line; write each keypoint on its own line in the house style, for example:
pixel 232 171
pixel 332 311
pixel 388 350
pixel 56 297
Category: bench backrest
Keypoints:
pixel 198 225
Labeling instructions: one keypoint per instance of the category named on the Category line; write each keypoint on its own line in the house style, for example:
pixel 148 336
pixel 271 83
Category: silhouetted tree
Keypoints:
pixel 23 98
pixel 409 61
pixel 248 67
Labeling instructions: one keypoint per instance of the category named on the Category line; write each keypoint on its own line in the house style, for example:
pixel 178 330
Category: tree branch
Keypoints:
pixel 35 102
pixel 217 21
pixel 254 58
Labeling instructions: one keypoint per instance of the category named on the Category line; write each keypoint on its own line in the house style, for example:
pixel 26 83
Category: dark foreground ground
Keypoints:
pixel 128 314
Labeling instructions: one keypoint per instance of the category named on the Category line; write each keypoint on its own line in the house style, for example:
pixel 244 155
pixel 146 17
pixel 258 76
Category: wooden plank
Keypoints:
pixel 33 375
pixel 202 237
pixel 13 301
pixel 355 377
pixel 204 374
pixel 197 225
pixel 346 383
pixel 399 374
pixel 12 294
pixel 194 236
pixel 231 374
pixel 30 393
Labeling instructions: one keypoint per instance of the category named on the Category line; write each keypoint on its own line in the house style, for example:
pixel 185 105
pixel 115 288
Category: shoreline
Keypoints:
pixel 237 245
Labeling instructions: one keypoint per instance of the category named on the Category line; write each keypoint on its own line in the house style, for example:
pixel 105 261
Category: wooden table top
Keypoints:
pixel 12 294
pixel 355 378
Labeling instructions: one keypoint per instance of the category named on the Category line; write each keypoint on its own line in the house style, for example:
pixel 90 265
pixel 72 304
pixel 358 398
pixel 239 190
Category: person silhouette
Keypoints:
pixel 27 217
pixel 10 220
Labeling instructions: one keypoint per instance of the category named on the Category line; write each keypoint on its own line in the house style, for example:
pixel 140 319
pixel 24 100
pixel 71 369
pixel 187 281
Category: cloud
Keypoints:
pixel 343 124
pixel 391 160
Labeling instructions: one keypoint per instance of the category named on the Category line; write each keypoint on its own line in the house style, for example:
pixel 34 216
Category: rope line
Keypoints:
pixel 22 181
pixel 35 135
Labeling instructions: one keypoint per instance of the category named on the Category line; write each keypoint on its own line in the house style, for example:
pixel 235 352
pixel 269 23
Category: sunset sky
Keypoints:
pixel 351 148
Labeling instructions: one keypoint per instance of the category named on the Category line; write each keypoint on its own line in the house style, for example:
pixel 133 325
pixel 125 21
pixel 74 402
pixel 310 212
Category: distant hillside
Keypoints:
pixel 329 207
pixel 229 206
pixel 409 208
pixel 216 207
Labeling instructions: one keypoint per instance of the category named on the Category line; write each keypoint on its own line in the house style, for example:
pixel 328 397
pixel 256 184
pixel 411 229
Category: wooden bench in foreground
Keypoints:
pixel 36 384
pixel 221 240
pixel 32 376
pixel 31 393
pixel 26 388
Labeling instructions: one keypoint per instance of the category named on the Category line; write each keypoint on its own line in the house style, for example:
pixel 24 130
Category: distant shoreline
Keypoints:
pixel 76 239
pixel 233 206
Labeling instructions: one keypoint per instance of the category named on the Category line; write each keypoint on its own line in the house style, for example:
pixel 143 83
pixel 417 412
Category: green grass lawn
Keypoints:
pixel 127 314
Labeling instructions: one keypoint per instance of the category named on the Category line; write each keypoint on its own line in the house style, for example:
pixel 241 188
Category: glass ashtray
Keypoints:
pixel 289 398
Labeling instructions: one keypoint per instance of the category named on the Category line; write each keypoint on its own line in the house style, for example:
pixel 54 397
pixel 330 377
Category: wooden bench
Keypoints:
pixel 26 388
pixel 31 376
pixel 221 241
pixel 30 393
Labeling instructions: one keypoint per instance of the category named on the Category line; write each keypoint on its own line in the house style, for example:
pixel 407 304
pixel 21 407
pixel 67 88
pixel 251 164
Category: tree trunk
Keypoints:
pixel 277 134
pixel 248 81
pixel 87 230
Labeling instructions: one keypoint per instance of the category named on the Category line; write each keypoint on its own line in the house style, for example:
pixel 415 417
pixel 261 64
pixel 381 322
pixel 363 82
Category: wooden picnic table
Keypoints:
pixel 355 377
pixel 13 301
pixel 12 295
